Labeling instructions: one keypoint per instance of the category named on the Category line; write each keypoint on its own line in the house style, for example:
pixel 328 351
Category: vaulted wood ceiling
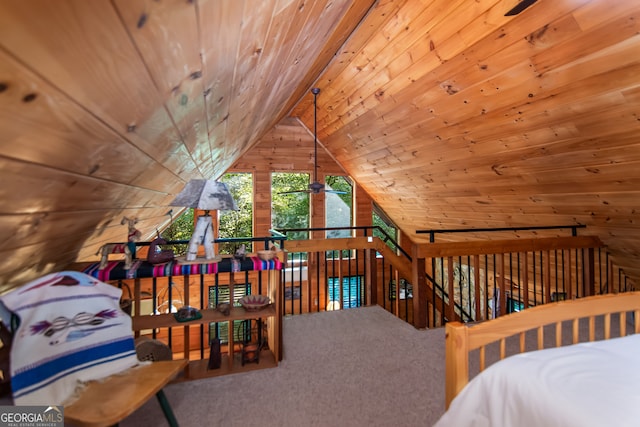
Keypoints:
pixel 449 113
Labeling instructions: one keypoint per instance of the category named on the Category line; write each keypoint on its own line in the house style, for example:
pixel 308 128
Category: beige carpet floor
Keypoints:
pixel 356 367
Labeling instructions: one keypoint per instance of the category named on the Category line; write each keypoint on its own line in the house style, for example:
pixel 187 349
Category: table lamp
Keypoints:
pixel 206 195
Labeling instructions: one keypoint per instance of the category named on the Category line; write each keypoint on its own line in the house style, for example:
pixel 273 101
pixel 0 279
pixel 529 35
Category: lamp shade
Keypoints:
pixel 207 195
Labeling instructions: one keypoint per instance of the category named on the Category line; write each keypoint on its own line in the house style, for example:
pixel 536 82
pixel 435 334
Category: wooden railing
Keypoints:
pixel 426 286
pixel 438 282
pixel 330 274
pixel 490 279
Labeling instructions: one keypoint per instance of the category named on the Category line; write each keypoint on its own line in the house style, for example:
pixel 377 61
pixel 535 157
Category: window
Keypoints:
pixel 406 289
pixel 381 220
pixel 513 305
pixel 352 291
pixel 180 229
pixel 290 208
pixel 237 223
pixel 339 207
pixel 219 295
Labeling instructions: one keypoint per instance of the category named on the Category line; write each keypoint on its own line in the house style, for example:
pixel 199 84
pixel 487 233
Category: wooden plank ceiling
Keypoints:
pixel 447 112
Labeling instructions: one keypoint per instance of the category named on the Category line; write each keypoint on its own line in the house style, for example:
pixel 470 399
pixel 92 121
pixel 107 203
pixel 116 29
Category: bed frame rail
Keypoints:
pixel 461 338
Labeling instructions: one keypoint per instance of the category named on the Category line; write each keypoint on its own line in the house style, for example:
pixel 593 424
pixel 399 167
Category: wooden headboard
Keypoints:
pixel 461 338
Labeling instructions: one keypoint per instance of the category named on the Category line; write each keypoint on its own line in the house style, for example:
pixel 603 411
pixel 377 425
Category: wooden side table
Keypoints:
pixel 108 401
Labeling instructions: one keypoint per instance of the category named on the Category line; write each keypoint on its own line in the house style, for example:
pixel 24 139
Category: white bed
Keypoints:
pixel 588 384
pixel 595 383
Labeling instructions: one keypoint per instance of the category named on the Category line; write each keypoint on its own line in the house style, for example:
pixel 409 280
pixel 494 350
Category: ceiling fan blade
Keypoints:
pixel 314 188
pixel 313 192
pixel 520 7
pixel 294 192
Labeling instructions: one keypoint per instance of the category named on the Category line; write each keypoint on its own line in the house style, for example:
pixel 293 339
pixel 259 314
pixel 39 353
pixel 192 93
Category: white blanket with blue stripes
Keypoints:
pixel 71 330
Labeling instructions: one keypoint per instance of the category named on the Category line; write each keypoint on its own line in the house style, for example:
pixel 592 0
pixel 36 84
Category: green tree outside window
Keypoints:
pixel 290 210
pixel 237 223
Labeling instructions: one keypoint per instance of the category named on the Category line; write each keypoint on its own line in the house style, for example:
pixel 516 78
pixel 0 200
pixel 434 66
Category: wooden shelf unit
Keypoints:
pixel 209 315
pixel 231 363
pixel 271 315
pixel 197 369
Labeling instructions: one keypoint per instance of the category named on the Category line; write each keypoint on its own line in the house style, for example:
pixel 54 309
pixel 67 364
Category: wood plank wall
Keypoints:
pixel 288 147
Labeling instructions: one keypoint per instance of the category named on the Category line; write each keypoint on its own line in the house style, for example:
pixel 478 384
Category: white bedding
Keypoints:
pixel 587 384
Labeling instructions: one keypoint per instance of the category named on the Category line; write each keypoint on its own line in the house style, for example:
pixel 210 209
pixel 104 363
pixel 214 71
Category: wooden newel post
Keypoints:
pixel 418 269
pixel 456 361
pixel 371 266
pixel 588 261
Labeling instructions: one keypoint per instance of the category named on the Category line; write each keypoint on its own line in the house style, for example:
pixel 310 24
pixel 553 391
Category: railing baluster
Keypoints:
pixel 201 326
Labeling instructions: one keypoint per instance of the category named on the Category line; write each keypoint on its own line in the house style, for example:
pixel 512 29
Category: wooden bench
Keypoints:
pixel 108 401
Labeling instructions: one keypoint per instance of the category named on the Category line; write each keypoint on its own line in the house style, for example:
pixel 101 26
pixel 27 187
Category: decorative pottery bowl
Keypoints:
pixel 266 255
pixel 254 302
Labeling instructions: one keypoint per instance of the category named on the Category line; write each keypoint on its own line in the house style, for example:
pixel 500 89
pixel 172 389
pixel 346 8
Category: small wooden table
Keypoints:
pixel 108 401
